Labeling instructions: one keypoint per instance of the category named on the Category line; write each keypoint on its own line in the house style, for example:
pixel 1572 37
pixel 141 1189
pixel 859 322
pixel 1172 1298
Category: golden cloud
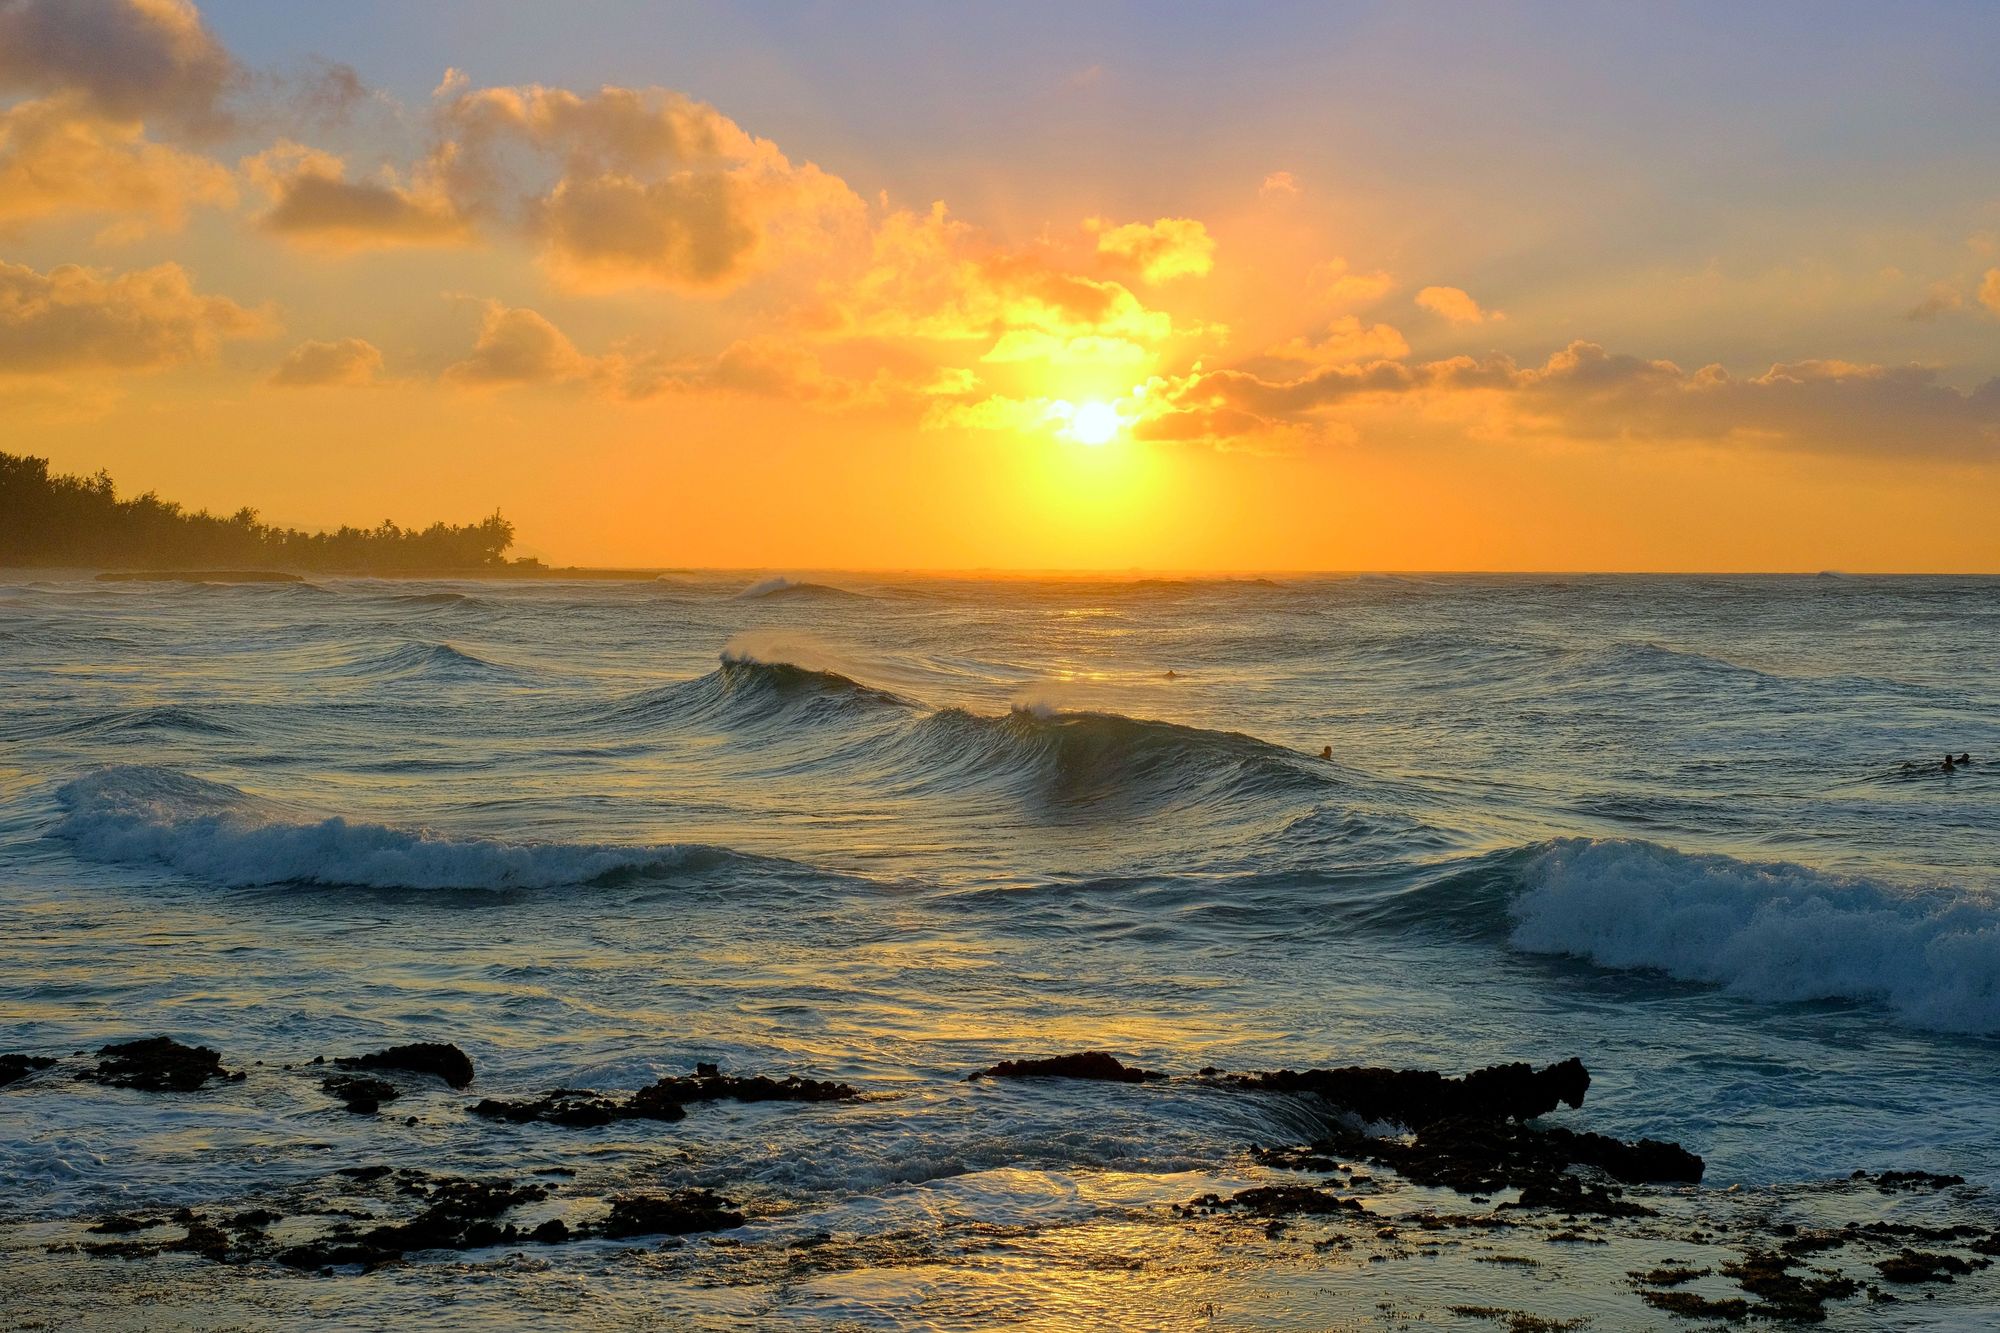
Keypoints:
pixel 1346 339
pixel 1159 251
pixel 518 346
pixel 1989 290
pixel 348 363
pixel 314 203
pixel 622 187
pixel 74 318
pixel 58 155
pixel 1587 392
pixel 1453 304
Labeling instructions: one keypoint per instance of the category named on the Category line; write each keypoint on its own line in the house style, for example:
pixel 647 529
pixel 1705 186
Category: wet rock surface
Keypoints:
pixel 666 1099
pixel 439 1058
pixel 1358 1197
pixel 1097 1065
pixel 362 1096
pixel 679 1213
pixel 1415 1098
pixel 158 1064
pixel 14 1068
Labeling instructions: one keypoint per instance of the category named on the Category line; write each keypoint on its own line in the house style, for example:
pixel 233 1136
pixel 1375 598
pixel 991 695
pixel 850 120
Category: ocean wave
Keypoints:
pixel 127 721
pixel 1771 932
pixel 745 692
pixel 219 834
pixel 433 661
pixel 779 586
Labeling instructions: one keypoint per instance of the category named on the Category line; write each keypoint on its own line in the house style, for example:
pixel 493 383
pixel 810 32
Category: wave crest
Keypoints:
pixel 220 834
pixel 1768 931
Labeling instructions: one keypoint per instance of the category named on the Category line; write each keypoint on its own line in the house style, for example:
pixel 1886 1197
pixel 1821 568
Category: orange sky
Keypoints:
pixel 656 334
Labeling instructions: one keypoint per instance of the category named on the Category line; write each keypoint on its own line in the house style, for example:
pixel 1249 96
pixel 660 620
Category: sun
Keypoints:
pixel 1094 424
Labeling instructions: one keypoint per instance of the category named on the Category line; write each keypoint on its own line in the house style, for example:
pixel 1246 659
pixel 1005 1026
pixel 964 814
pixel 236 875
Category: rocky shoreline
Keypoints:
pixel 1409 1163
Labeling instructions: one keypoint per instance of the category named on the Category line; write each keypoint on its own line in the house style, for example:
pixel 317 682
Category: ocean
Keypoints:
pixel 891 831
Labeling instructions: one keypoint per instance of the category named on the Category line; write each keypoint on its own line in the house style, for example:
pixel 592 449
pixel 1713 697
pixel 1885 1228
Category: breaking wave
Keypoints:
pixel 220 834
pixel 1772 932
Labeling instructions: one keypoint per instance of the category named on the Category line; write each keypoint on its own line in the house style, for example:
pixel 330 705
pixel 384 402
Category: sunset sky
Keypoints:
pixel 1024 286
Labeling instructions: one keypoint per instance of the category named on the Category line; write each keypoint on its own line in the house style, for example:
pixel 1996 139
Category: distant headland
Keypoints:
pixel 52 520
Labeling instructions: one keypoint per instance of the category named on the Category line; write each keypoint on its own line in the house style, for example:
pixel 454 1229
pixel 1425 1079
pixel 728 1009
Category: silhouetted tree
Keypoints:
pixel 47 519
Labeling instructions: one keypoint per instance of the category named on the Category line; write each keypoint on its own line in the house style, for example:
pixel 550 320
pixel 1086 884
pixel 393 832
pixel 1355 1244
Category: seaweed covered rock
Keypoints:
pixel 458 1214
pixel 440 1058
pixel 678 1213
pixel 1098 1065
pixel 158 1064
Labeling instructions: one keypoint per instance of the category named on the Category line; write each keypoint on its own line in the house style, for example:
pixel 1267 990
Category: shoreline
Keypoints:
pixel 1427 1197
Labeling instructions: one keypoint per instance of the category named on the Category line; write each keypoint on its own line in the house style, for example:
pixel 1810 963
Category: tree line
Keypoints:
pixel 49 519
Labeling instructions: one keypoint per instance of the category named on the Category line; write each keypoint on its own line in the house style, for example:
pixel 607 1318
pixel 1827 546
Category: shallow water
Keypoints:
pixel 894 831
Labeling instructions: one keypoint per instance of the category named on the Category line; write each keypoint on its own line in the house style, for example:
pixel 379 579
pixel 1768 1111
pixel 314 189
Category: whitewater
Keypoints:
pixel 894 830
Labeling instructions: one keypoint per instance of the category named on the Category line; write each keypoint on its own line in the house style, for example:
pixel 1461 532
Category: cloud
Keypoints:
pixel 74 318
pixel 1453 304
pixel 1349 290
pixel 314 203
pixel 518 346
pixel 1279 183
pixel 1989 290
pixel 931 277
pixel 130 58
pixel 59 156
pixel 1587 392
pixel 1162 250
pixel 1939 300
pixel 348 363
pixel 1346 339
pixel 620 188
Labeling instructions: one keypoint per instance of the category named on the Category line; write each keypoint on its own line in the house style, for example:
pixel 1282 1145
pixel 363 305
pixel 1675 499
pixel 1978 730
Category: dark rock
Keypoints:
pixel 1572 1197
pixel 1415 1098
pixel 679 1213
pixel 424 1057
pixel 1083 1064
pixel 1911 1266
pixel 459 1214
pixel 363 1172
pixel 363 1096
pixel 203 1238
pixel 120 1225
pixel 158 1064
pixel 1690 1306
pixel 1903 1182
pixel 14 1068
pixel 710 1085
pixel 1271 1201
pixel 561 1106
pixel 665 1100
pixel 1783 1294
pixel 552 1232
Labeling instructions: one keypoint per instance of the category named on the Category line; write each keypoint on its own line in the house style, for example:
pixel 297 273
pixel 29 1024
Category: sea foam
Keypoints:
pixel 219 834
pixel 1773 932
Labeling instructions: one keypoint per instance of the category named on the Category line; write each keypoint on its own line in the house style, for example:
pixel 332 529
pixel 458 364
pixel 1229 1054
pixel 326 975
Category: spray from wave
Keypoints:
pixel 1771 932
pixel 220 834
